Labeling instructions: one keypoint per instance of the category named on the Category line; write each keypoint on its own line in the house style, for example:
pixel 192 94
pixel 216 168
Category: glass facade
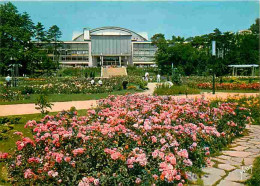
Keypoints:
pixel 143 52
pixel 72 52
pixel 104 46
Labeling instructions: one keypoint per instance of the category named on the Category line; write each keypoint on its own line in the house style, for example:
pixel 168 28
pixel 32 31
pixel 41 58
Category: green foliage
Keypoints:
pixel 255 27
pixel 17 31
pixel 10 94
pixel 42 103
pixel 165 89
pixel 79 72
pixel 193 57
pixel 137 71
pixel 255 178
pixel 13 120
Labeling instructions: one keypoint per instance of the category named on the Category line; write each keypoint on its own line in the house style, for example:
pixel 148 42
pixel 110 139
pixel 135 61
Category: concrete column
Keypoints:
pixel 90 63
pixel 120 61
pixel 233 72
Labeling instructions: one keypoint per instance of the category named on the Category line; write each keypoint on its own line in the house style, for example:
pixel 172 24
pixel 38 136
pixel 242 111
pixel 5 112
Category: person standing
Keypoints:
pixel 92 82
pixel 146 76
pixel 8 81
pixel 158 78
pixel 100 82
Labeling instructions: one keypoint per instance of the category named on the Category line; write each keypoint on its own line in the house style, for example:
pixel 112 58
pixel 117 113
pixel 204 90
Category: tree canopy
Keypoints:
pixel 17 32
pixel 192 56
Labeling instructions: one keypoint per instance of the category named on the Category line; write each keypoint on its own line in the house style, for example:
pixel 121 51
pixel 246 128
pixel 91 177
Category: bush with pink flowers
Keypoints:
pixel 126 140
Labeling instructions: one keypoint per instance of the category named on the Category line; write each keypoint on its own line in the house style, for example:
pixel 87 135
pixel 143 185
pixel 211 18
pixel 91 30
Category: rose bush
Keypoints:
pixel 76 85
pixel 126 140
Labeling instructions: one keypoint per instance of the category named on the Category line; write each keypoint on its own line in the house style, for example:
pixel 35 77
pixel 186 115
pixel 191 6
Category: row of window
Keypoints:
pixel 71 58
pixel 135 59
pixel 143 45
pixel 151 53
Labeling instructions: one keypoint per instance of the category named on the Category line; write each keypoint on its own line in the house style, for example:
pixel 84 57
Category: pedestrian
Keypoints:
pixel 8 80
pixel 158 78
pixel 125 84
pixel 92 82
pixel 100 82
pixel 146 76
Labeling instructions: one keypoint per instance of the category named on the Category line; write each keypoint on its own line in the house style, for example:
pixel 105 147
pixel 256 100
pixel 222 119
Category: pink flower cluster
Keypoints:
pixel 132 136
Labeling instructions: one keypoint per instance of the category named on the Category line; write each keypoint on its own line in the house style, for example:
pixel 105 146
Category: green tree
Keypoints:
pixel 255 27
pixel 53 35
pixel 40 34
pixel 16 31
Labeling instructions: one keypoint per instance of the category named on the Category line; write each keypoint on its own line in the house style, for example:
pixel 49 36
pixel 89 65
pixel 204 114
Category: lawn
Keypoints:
pixel 69 97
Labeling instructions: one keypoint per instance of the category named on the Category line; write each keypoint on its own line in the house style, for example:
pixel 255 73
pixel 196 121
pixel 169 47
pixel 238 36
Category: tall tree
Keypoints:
pixel 16 31
pixel 255 27
pixel 54 34
pixel 40 34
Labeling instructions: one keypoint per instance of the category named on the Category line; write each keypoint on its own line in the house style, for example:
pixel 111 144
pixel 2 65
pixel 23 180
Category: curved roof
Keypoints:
pixel 110 28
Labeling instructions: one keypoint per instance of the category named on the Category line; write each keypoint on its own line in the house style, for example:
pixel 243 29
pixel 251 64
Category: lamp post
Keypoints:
pixel 214 60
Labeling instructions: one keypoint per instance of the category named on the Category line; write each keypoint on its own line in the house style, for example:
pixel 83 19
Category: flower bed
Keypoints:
pixel 230 86
pixel 165 89
pixel 66 86
pixel 126 140
pixel 252 103
pixel 77 85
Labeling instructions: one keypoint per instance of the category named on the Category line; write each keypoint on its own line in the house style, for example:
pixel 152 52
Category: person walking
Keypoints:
pixel 158 78
pixel 8 80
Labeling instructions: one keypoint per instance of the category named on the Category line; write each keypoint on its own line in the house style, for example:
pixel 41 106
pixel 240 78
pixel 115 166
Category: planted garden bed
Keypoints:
pixel 126 140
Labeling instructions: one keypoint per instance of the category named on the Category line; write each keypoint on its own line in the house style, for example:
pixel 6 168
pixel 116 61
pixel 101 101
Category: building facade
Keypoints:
pixel 107 46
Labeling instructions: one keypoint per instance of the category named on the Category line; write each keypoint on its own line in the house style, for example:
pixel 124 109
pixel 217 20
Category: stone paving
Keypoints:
pixel 234 166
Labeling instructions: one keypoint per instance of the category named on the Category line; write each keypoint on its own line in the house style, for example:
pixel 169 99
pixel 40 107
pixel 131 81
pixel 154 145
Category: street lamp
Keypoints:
pixel 214 60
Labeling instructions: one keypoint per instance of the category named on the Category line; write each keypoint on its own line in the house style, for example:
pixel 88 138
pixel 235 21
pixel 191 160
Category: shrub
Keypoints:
pixel 42 103
pixel 252 103
pixel 165 89
pixel 77 85
pixel 126 140
pixel 10 94
pixel 255 178
pixel 13 120
pixel 131 87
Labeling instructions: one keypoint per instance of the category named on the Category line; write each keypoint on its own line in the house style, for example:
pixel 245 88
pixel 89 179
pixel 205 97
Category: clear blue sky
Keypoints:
pixel 170 18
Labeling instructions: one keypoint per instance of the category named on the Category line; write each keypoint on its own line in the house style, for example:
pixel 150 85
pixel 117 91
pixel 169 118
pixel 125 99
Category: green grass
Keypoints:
pixel 8 145
pixel 69 97
pixel 255 179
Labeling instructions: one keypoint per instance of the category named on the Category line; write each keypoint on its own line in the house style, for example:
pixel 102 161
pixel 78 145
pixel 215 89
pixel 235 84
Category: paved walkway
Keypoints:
pixel 20 109
pixel 234 166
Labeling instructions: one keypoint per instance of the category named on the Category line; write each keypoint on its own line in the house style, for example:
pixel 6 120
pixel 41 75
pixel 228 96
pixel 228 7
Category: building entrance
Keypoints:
pixel 109 61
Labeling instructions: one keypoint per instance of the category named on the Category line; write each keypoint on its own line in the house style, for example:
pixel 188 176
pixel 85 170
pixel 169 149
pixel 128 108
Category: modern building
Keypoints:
pixel 107 46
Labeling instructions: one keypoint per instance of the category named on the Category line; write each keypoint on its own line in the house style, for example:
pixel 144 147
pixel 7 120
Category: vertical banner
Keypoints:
pixel 213 48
